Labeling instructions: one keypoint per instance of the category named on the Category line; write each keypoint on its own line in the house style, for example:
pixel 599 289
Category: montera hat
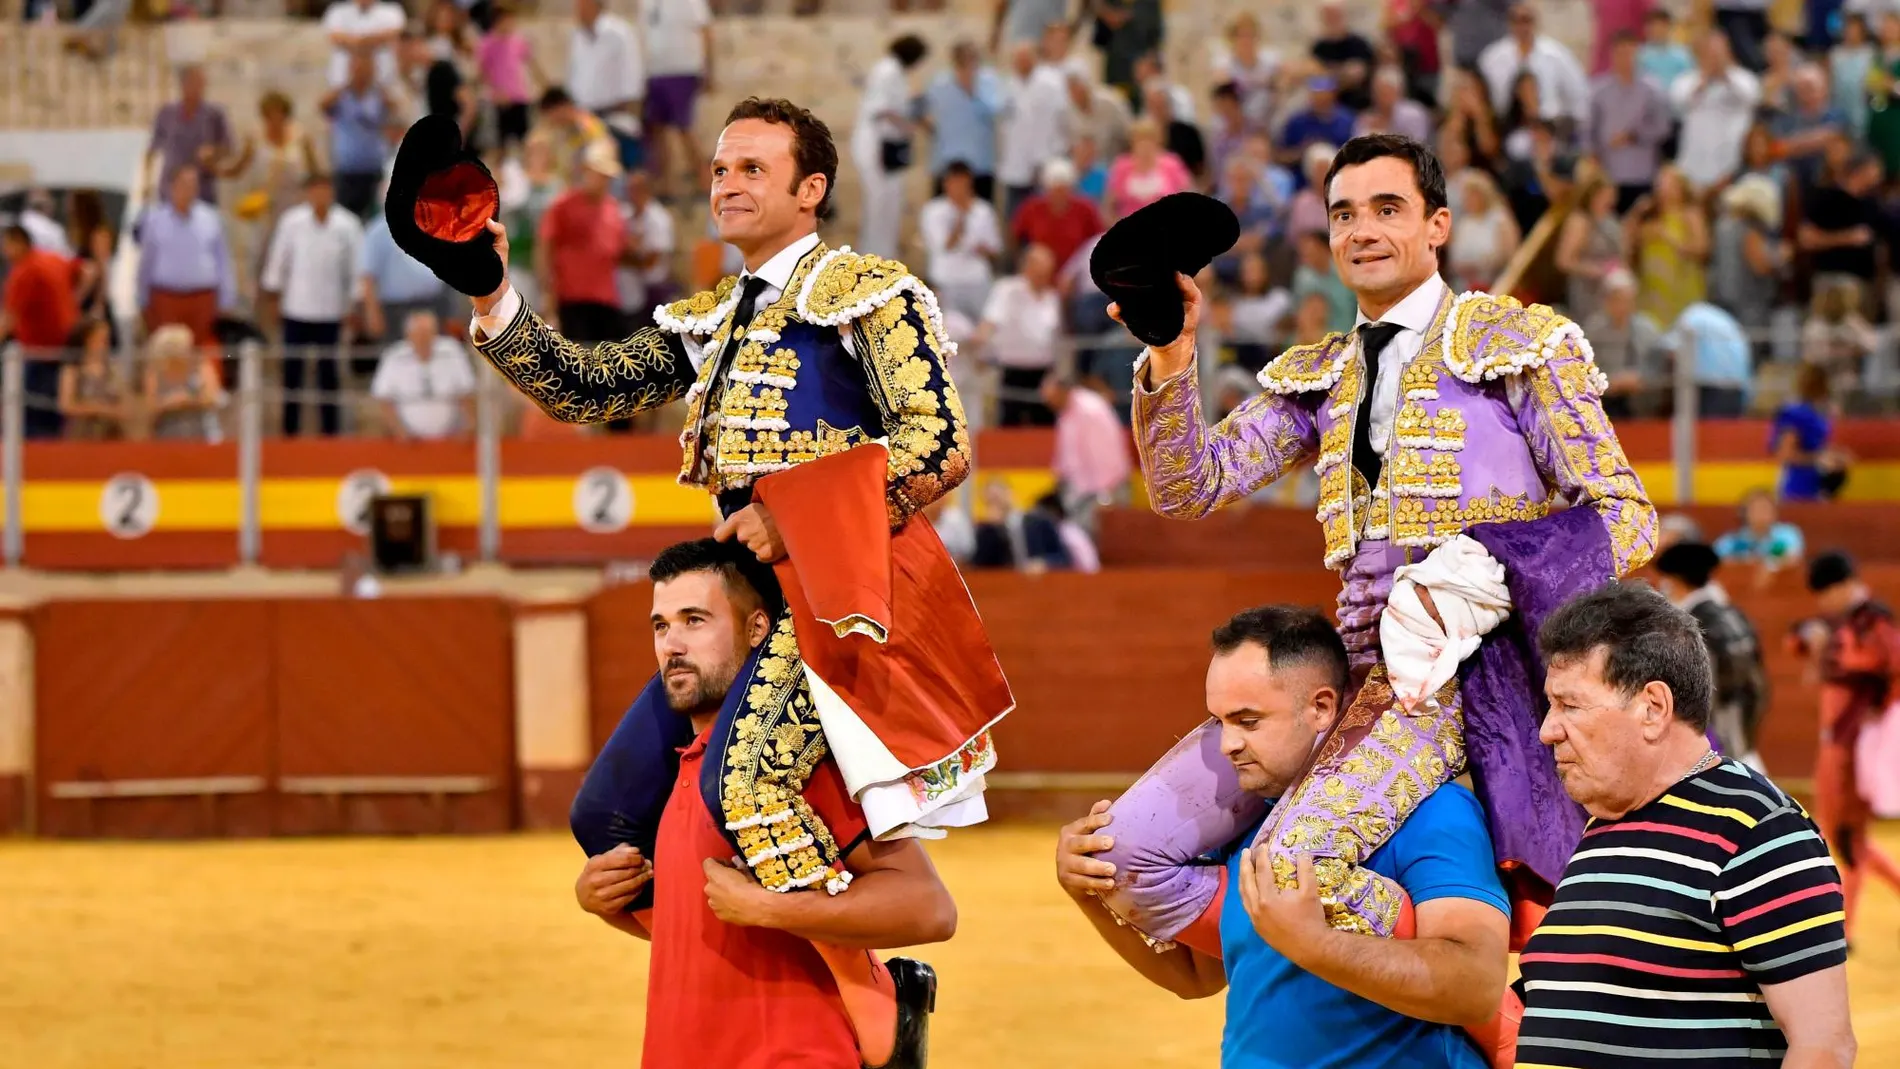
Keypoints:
pixel 1136 261
pixel 440 200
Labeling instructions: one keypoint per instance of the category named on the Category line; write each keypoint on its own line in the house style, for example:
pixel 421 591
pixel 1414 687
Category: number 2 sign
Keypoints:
pixel 603 501
pixel 128 505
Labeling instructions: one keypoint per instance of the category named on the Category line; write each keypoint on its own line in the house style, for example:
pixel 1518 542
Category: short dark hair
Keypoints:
pixel 745 575
pixel 1626 37
pixel 1429 173
pixel 910 50
pixel 1291 635
pixel 18 233
pixel 1226 91
pixel 1644 638
pixel 813 151
pixel 1830 570
pixel 1660 14
pixel 555 97
pixel 959 169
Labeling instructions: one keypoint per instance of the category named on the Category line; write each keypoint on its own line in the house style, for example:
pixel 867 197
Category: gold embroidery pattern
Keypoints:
pixel 1419 429
pixel 1419 381
pixel 1427 522
pixel 695 312
pixel 1191 469
pixel 775 745
pixel 929 438
pixel 1577 450
pixel 1305 368
pixel 591 383
pixel 1493 336
pixel 1415 476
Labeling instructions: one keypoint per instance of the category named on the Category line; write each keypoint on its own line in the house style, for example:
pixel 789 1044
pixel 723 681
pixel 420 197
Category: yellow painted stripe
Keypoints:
pixel 1723 482
pixel 1714 811
pixel 1629 933
pixel 1798 926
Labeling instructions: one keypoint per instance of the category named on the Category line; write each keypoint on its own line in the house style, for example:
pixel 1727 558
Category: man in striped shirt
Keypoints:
pixel 1699 923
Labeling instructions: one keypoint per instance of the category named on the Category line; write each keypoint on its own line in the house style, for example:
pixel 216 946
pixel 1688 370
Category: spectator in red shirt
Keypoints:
pixel 581 245
pixel 1056 218
pixel 39 311
pixel 741 977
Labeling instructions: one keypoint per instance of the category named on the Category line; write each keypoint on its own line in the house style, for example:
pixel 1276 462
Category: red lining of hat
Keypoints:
pixel 455 205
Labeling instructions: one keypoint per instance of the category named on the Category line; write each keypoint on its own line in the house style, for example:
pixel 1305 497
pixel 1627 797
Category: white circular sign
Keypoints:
pixel 128 505
pixel 353 498
pixel 603 501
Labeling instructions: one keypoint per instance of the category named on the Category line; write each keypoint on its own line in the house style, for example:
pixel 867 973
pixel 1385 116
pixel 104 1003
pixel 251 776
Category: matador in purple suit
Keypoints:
pixel 1469 482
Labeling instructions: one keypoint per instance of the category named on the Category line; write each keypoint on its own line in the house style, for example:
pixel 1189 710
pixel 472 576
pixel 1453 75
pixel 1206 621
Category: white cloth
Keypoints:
pixel 1467 588
pixel 672 33
pixel 312 265
pixel 604 65
pixel 346 17
pixel 651 228
pixel 1716 115
pixel 882 108
pixel 46 234
pixel 427 393
pixel 1414 316
pixel 1563 91
pixel 961 266
pixel 1025 325
pixel 1035 124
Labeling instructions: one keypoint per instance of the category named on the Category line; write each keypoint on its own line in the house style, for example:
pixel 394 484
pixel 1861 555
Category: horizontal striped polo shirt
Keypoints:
pixel 1669 921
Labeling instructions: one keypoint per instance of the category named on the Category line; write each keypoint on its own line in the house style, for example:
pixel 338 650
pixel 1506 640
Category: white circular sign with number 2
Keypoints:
pixel 128 505
pixel 603 501
pixel 353 498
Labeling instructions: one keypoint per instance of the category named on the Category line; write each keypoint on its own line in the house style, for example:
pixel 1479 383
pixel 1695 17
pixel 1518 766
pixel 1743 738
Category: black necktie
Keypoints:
pixel 1373 338
pixel 741 318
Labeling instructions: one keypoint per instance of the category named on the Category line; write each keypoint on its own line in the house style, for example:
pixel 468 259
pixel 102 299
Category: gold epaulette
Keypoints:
pixel 702 313
pixel 1492 337
pixel 1306 368
pixel 846 285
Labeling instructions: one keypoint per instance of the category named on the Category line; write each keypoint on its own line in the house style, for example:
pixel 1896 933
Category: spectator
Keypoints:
pixel 506 64
pixel 961 240
pixel 1800 438
pixel 1676 527
pixel 1717 104
pixel 1306 212
pixel 1125 31
pixel 1837 339
pixel 881 145
pixel 362 123
pixel 1471 123
pixel 1744 24
pixel 181 395
pixel 38 311
pixel 393 285
pixel 1777 75
pixel 307 274
pixel 184 272
pixel 1412 26
pixel 1259 220
pixel 1146 172
pixel 1056 218
pixel 1096 113
pixel 646 279
pixel 1840 221
pixel 1669 243
pixel 960 108
pixel 1312 318
pixel 1723 364
pixel 274 163
pixel 1091 173
pixel 1345 56
pixel 528 187
pixel 1020 330
pixel 1257 314
pixel 1850 67
pixel 445 27
pixel 1534 182
pixel 1663 58
pixel 1524 116
pixel 1228 130
pixel 1590 248
pixel 369 27
pixel 1078 549
pixel 93 262
pixel 1763 539
pixel 1629 122
pixel 1747 254
pixel 572 132
pixel 1754 912
pixel 1034 131
pixel 1151 74
pixel 1883 90
pixel 1392 112
pixel 1019 21
pixel 954 527
pixel 1803 132
pixel 1091 462
pixel 606 75
pixel 424 383
pixel 1322 121
pixel 1626 343
pixel 190 132
pixel 1615 20
pixel 1315 276
pixel 1561 85
pixel 1012 538
pixel 1687 573
pixel 1182 138
pixel 37 219
pixel 93 399
pixel 678 35
pixel 1475 25
pixel 583 240
pixel 1485 238
pixel 1253 71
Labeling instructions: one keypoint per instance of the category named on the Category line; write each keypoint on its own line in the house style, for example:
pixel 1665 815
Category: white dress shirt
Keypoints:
pixel 1716 114
pixel 346 17
pixel 675 42
pixel 312 265
pixel 1026 325
pixel 1036 126
pixel 886 94
pixel 1413 315
pixel 1563 92
pixel 967 261
pixel 604 65
pixel 427 393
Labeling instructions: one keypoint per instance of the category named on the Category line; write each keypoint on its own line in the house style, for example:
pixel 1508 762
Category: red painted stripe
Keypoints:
pixel 154 460
pixel 1786 899
pixel 1672 829
pixel 1629 963
pixel 333 457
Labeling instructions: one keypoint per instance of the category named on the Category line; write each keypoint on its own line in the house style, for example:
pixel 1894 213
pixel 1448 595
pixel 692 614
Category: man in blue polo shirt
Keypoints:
pixel 1300 994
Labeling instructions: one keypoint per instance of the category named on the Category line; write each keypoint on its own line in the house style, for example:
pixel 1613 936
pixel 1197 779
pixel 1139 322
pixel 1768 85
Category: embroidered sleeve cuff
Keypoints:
pixel 1142 389
pixel 482 328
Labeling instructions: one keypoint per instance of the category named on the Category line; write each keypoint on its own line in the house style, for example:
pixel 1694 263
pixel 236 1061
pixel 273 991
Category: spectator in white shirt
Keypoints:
pixel 1020 333
pixel 353 25
pixel 307 281
pixel 1717 103
pixel 881 144
pixel 424 383
pixel 1036 120
pixel 678 38
pixel 961 239
pixel 606 74
pixel 648 280
pixel 1562 88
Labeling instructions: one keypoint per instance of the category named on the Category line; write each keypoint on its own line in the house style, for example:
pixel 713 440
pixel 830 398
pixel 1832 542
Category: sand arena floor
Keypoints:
pixel 468 953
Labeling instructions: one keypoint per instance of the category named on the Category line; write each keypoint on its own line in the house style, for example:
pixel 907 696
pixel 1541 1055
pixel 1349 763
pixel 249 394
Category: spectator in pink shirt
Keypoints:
pixel 1091 462
pixel 1146 172
pixel 1616 17
pixel 505 62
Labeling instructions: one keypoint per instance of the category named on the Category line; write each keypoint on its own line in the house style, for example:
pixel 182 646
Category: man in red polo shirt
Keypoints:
pixel 40 311
pixel 735 980
pixel 581 244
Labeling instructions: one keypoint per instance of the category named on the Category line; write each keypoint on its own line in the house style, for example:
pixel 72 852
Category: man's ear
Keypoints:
pixel 1323 709
pixel 1438 230
pixel 811 191
pixel 757 626
pixel 1659 708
